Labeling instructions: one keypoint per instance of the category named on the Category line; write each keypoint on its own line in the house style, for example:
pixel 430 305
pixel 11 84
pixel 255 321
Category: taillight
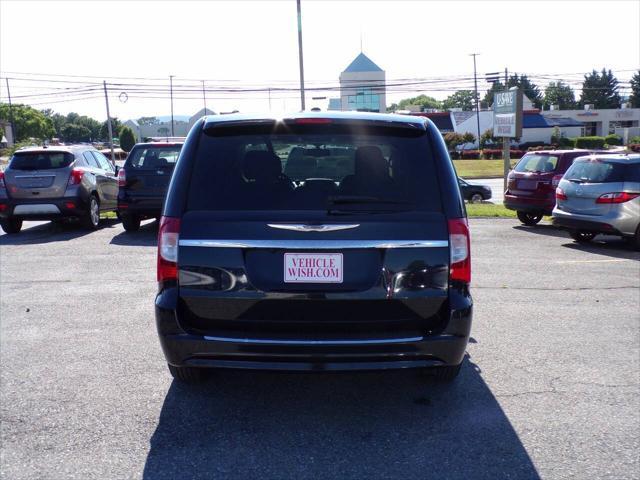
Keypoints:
pixel 2 180
pixel 168 235
pixel 616 197
pixel 122 177
pixel 556 180
pixel 560 195
pixel 76 177
pixel 460 250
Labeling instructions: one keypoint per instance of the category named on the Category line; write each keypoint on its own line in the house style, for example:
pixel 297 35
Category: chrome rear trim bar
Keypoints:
pixel 315 244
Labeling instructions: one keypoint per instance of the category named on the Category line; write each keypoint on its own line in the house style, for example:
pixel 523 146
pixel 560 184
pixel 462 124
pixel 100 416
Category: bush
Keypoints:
pixel 634 147
pixel 127 139
pixel 613 139
pixel 516 154
pixel 635 139
pixel 528 145
pixel 565 142
pixel 590 142
pixel 470 154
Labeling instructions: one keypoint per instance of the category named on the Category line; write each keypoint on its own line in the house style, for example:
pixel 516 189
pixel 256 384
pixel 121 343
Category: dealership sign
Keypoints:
pixel 507 113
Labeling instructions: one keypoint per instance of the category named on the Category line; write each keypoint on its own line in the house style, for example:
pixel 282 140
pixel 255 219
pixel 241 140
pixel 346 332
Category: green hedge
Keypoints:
pixel 613 139
pixel 567 142
pixel 590 142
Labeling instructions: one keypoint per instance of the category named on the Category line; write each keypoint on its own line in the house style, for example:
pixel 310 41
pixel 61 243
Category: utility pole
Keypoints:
pixel 204 98
pixel 475 84
pixel 14 135
pixel 106 100
pixel 269 90
pixel 506 153
pixel 300 55
pixel 171 95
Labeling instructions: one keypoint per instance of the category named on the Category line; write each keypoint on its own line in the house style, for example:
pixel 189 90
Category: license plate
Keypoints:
pixel 313 268
pixel 527 184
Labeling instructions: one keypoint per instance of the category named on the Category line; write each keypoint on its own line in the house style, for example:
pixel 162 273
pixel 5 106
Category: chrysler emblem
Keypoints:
pixel 301 227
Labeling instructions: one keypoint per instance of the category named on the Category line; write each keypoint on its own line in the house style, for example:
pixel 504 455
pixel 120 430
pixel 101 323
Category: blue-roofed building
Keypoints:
pixel 362 86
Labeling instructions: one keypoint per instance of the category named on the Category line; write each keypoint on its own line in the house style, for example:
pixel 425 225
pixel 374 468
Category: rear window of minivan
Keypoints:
pixel 597 171
pixel 153 157
pixel 336 170
pixel 40 160
pixel 537 163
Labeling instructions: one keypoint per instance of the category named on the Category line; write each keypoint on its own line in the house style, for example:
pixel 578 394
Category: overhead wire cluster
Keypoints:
pixel 38 89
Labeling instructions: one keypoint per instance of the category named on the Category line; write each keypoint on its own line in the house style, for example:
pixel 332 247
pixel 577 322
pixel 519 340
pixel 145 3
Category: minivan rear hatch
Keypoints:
pixel 342 220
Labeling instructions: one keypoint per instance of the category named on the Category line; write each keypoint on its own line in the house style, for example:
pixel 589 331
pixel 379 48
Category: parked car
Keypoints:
pixel 143 181
pixel 473 192
pixel 600 194
pixel 119 154
pixel 52 183
pixel 321 241
pixel 532 183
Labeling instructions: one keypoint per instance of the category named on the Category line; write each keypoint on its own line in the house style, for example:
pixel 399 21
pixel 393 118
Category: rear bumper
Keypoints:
pixel 140 206
pixel 572 221
pixel 184 349
pixel 531 205
pixel 43 208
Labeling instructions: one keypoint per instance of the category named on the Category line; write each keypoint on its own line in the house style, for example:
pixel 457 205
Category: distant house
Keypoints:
pixel 362 86
pixel 163 128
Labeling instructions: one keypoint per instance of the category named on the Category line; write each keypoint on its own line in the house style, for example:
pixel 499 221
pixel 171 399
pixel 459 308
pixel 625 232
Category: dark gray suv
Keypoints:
pixel 49 183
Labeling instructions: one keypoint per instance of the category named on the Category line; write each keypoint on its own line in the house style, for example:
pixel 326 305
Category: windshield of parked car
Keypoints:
pixel 339 171
pixel 598 171
pixel 40 160
pixel 537 163
pixel 154 157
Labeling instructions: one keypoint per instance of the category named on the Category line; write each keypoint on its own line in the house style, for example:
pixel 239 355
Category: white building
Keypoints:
pixel 362 87
pixel 163 129
pixel 602 122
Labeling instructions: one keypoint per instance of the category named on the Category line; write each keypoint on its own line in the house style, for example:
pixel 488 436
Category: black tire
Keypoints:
pixel 445 373
pixel 131 223
pixel 187 374
pixel 91 218
pixel 582 236
pixel 634 241
pixel 529 218
pixel 476 198
pixel 11 225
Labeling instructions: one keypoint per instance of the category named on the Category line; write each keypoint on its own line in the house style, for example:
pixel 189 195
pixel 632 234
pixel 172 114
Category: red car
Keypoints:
pixel 531 187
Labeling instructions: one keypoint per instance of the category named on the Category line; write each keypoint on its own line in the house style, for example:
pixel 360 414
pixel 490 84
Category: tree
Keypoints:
pixel 74 133
pixel 148 120
pixel 560 94
pixel 528 88
pixel 392 108
pixel 634 99
pixel 423 101
pixel 127 139
pixel 28 122
pixel 600 90
pixel 487 100
pixel 464 99
pixel 468 137
pixel 163 131
pixel 116 125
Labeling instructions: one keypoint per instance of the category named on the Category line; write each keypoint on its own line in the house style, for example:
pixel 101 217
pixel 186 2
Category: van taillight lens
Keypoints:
pixel 617 197
pixel 122 178
pixel 76 177
pixel 560 195
pixel 168 235
pixel 460 250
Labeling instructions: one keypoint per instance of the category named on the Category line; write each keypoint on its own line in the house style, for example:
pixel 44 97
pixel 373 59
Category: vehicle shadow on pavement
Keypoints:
pixel 52 232
pixel 349 425
pixel 610 246
pixel 543 229
pixel 147 236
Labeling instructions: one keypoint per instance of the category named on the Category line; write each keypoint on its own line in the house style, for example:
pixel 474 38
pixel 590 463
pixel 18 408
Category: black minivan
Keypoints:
pixel 143 181
pixel 317 241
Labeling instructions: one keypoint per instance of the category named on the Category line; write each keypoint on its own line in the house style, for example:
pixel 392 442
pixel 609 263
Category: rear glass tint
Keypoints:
pixel 154 156
pixel 40 160
pixel 314 169
pixel 596 171
pixel 537 163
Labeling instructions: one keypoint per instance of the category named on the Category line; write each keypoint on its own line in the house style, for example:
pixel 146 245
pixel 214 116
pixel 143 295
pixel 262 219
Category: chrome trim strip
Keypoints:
pixel 302 227
pixel 314 342
pixel 315 244
pixel 35 209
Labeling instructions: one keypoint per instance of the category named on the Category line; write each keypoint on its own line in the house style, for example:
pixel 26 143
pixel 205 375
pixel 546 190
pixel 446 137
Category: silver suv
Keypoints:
pixel 600 194
pixel 49 183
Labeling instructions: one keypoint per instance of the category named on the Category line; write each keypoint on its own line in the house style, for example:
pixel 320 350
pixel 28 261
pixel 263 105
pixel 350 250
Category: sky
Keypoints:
pixel 136 45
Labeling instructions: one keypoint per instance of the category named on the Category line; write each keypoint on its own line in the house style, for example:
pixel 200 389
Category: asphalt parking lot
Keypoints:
pixel 550 387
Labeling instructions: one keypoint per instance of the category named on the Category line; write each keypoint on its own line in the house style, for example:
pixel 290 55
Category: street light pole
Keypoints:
pixel 300 55
pixel 475 84
pixel 204 98
pixel 171 95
